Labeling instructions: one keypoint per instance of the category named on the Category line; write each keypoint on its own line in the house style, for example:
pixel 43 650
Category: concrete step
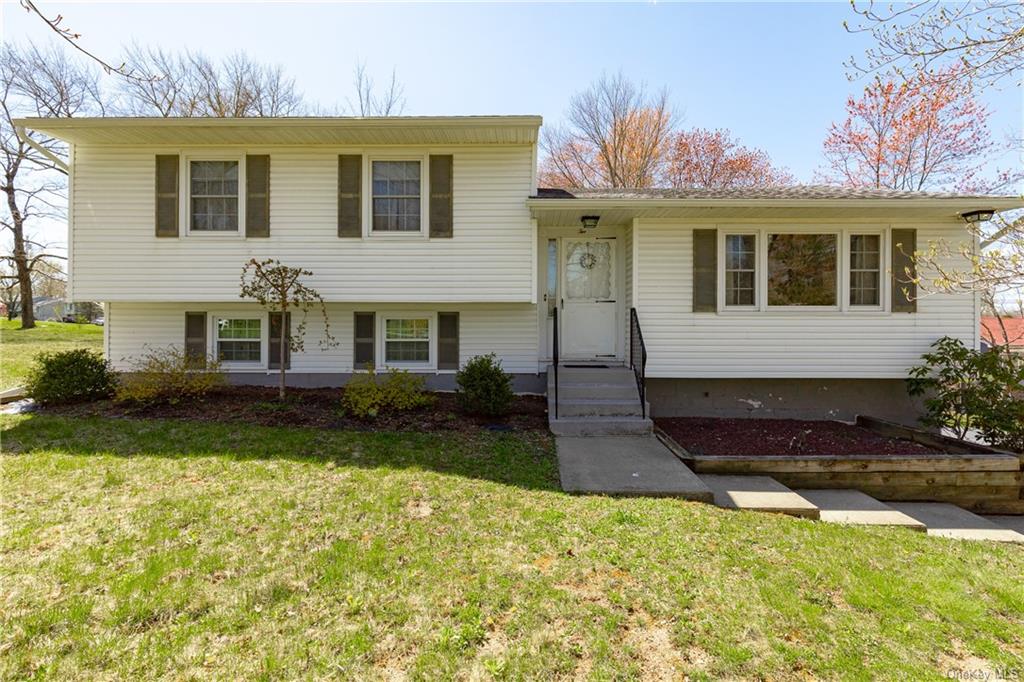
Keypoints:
pixel 855 508
pixel 598 407
pixel 758 493
pixel 600 426
pixel 612 375
pixel 949 521
pixel 1014 523
pixel 610 391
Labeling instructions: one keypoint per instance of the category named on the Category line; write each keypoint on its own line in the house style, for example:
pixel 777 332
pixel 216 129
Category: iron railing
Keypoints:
pixel 554 352
pixel 638 358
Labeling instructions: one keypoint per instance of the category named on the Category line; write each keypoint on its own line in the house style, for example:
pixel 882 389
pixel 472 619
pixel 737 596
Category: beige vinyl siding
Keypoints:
pixel 508 330
pixel 117 257
pixel 781 343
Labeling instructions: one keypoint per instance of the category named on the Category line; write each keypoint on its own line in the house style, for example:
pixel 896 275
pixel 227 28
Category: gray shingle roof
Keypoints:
pixel 780 192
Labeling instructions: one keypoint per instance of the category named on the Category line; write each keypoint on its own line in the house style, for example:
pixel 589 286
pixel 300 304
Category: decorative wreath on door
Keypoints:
pixel 588 261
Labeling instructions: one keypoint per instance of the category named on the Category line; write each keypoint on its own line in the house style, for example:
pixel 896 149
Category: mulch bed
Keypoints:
pixel 783 437
pixel 317 407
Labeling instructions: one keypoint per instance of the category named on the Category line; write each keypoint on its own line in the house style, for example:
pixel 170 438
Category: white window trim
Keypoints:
pixel 431 317
pixel 185 194
pixel 368 231
pixel 843 233
pixel 213 320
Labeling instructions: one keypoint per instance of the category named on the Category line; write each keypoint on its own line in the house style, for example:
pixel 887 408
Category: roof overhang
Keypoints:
pixel 567 212
pixel 391 130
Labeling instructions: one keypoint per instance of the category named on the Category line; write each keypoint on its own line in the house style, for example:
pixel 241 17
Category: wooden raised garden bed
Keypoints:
pixel 885 460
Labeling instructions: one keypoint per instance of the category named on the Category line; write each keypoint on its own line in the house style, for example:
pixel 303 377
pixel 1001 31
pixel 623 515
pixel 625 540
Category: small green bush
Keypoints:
pixel 484 387
pixel 169 375
pixel 367 395
pixel 69 376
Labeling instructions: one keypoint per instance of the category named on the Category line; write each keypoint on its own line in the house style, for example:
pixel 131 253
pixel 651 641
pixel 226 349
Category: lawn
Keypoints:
pixel 144 549
pixel 18 347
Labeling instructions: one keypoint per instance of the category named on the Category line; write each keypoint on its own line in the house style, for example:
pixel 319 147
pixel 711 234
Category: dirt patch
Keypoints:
pixel 658 657
pixel 317 407
pixel 783 437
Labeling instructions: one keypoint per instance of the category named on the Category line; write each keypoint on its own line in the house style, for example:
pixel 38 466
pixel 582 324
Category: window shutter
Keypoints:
pixel 257 195
pixel 363 344
pixel 705 271
pixel 441 196
pixel 904 293
pixel 447 340
pixel 274 342
pixel 350 206
pixel 195 337
pixel 167 195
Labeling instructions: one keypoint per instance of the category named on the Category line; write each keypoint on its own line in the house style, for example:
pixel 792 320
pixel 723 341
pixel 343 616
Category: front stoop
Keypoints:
pixel 596 401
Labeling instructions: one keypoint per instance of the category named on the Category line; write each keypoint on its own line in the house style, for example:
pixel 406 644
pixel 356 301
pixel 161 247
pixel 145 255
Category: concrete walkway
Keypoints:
pixel 950 521
pixel 855 508
pixel 625 465
pixel 758 493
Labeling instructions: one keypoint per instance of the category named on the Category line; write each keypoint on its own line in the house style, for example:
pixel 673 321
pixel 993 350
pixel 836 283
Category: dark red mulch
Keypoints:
pixel 783 437
pixel 317 407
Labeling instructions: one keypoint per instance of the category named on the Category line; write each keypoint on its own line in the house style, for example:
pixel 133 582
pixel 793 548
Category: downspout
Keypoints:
pixel 57 161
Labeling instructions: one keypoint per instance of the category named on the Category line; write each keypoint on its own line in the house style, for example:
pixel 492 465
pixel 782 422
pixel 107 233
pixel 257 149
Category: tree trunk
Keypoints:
pixel 283 351
pixel 28 317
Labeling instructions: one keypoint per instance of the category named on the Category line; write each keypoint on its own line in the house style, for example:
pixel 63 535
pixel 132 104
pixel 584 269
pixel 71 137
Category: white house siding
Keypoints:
pixel 116 257
pixel 508 330
pixel 780 344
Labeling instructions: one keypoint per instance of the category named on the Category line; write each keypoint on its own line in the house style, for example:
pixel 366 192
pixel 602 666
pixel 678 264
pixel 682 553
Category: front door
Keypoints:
pixel 589 308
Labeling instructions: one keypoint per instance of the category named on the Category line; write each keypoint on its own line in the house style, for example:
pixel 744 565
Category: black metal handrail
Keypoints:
pixel 554 352
pixel 638 358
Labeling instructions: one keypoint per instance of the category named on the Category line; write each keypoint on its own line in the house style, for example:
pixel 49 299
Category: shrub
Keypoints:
pixel 70 376
pixel 368 396
pixel 484 387
pixel 965 390
pixel 169 375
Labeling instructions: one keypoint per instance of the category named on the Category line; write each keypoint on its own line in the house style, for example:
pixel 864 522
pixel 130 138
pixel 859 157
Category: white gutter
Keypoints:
pixel 585 204
pixel 57 161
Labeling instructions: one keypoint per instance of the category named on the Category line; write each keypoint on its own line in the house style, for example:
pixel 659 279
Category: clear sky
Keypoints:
pixel 770 72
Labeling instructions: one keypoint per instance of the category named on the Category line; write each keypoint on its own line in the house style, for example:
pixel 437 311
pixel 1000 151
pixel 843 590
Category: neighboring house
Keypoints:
pixel 431 243
pixel 49 308
pixel 1005 331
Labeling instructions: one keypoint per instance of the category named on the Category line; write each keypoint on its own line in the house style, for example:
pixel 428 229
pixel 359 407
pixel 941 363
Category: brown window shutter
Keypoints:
pixel 447 340
pixel 195 337
pixel 363 343
pixel 705 271
pixel 257 195
pixel 350 205
pixel 167 195
pixel 441 216
pixel 274 342
pixel 904 291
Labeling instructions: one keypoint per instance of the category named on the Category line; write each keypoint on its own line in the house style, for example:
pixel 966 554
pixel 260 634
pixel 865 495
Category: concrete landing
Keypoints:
pixel 950 521
pixel 758 493
pixel 1014 523
pixel 855 508
pixel 625 465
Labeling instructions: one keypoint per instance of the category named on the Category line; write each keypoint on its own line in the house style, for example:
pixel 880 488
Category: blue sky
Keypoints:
pixel 770 72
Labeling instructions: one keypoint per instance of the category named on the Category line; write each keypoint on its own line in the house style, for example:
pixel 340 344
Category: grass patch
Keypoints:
pixel 19 346
pixel 143 549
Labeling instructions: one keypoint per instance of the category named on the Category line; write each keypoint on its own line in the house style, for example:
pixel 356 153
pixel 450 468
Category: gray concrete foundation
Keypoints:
pixel 521 383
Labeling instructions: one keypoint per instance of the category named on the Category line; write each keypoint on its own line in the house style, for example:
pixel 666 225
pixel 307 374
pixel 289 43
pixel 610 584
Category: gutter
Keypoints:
pixel 996 203
pixel 57 161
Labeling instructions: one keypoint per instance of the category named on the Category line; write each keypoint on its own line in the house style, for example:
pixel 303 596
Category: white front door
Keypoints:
pixel 589 308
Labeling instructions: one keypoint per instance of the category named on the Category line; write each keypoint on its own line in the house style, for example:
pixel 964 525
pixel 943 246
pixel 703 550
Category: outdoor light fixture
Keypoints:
pixel 590 221
pixel 978 216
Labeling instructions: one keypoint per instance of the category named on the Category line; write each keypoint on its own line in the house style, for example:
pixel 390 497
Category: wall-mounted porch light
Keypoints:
pixel 590 221
pixel 978 216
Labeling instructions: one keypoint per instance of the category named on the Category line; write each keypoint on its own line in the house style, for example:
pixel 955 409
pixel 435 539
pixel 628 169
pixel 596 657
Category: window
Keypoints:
pixel 213 193
pixel 865 269
pixel 239 340
pixel 551 294
pixel 802 269
pixel 407 341
pixel 740 269
pixel 396 196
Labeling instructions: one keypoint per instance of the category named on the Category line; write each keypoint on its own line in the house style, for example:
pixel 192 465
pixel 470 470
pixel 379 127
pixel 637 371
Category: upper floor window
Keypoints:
pixel 802 269
pixel 396 196
pixel 865 269
pixel 740 270
pixel 213 196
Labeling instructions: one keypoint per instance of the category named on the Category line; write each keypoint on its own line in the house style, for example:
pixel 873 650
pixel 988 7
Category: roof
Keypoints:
pixel 290 130
pixel 992 331
pixel 779 192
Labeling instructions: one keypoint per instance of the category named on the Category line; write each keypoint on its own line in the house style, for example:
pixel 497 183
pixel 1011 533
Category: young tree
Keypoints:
pixel 911 135
pixel 278 288
pixel 617 136
pixel 36 82
pixel 712 159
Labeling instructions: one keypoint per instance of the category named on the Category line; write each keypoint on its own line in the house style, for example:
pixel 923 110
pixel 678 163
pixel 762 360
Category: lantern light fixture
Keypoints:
pixel 977 216
pixel 590 221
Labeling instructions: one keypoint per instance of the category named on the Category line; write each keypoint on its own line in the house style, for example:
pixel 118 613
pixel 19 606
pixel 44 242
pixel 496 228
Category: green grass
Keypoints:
pixel 143 549
pixel 19 346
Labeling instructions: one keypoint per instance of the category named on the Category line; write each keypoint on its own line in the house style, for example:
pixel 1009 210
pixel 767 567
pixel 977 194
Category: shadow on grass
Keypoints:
pixel 524 459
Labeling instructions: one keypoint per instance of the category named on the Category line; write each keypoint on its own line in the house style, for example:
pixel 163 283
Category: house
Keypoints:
pixel 431 243
pixel 1002 331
